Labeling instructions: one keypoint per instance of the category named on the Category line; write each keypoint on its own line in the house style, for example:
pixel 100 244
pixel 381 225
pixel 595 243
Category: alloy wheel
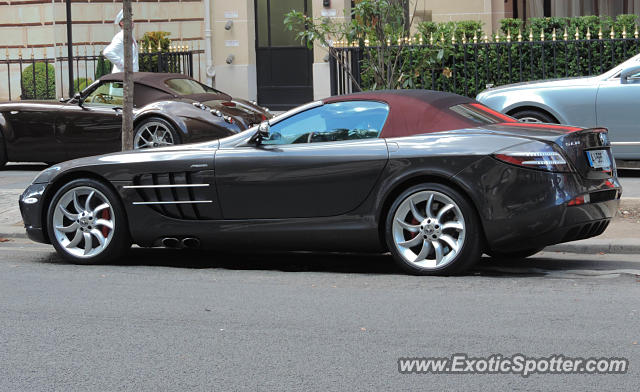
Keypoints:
pixel 153 134
pixel 428 229
pixel 83 222
pixel 529 120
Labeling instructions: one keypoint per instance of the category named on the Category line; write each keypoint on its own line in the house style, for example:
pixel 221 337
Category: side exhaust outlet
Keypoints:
pixel 191 243
pixel 170 242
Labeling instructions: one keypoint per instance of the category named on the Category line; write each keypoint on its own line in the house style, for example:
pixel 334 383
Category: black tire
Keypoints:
pixel 471 244
pixel 3 153
pixel 537 115
pixel 149 122
pixel 119 240
pixel 516 255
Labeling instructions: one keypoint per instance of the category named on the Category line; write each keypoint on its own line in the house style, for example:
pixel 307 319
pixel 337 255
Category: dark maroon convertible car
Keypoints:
pixel 168 108
pixel 435 178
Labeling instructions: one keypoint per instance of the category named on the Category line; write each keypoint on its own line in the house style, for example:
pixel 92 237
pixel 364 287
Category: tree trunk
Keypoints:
pixel 127 107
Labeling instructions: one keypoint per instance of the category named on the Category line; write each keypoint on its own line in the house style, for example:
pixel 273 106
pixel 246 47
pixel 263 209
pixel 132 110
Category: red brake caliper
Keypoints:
pixel 105 216
pixel 414 221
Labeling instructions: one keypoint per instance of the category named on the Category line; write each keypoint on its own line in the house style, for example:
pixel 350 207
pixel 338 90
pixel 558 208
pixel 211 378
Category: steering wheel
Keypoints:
pixel 310 136
pixel 99 98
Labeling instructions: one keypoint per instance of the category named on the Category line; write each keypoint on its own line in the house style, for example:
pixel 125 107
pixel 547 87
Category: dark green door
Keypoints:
pixel 284 65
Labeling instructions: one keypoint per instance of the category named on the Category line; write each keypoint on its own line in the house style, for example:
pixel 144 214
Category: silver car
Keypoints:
pixel 610 100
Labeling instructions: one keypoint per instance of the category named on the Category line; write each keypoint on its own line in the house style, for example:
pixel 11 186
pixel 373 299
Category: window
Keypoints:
pixel 332 122
pixel 110 93
pixel 480 114
pixel 189 87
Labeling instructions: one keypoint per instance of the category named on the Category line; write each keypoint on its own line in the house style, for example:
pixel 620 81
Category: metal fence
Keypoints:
pixel 45 78
pixel 467 68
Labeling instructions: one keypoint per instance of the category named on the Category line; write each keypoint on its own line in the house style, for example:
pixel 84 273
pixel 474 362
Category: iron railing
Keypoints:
pixel 468 68
pixel 45 78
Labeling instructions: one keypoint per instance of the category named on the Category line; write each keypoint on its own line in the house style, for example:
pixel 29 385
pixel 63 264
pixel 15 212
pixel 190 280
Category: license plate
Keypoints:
pixel 598 159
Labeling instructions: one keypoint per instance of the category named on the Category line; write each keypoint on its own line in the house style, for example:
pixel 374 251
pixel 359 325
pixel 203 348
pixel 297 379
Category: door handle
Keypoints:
pixel 15 112
pixel 117 110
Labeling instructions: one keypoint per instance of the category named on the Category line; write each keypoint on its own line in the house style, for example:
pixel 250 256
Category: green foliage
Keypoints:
pixel 103 67
pixel 468 69
pixel 149 61
pixel 373 22
pixel 45 81
pixel 152 40
pixel 446 30
pixel 81 83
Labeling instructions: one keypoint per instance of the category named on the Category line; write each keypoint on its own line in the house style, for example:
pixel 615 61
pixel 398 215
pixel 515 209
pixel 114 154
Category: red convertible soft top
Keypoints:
pixel 412 112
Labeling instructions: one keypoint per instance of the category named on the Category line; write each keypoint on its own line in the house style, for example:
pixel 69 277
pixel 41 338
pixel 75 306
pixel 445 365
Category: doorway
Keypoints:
pixel 284 65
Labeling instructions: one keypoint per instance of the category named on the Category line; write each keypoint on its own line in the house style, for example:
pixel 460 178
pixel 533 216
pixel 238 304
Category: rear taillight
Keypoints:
pixel 534 155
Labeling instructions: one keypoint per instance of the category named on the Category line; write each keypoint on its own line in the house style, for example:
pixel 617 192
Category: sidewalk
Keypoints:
pixel 622 235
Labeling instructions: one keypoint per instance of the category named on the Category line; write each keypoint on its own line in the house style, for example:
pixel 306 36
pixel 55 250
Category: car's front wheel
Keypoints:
pixel 86 223
pixel 431 229
pixel 154 132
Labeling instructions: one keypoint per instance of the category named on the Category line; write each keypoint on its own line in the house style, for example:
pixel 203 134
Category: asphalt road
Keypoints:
pixel 176 320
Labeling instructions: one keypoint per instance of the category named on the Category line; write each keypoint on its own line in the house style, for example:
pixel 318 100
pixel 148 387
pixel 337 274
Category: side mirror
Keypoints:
pixel 77 97
pixel 630 74
pixel 261 133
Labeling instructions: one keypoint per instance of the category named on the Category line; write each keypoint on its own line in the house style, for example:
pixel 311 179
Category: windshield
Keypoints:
pixel 189 87
pixel 615 71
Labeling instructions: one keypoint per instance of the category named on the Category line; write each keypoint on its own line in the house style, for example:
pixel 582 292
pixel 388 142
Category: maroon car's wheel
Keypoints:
pixel 431 229
pixel 154 132
pixel 86 223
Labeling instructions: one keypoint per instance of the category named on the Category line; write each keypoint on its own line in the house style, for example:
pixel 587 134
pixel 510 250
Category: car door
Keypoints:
pixel 95 126
pixel 617 110
pixel 321 162
pixel 30 132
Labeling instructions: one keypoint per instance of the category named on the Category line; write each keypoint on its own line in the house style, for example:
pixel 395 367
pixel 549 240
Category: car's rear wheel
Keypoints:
pixel 154 132
pixel 534 116
pixel 516 255
pixel 86 223
pixel 431 229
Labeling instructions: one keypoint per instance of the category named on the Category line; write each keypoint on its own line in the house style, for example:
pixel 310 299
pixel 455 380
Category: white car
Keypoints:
pixel 610 100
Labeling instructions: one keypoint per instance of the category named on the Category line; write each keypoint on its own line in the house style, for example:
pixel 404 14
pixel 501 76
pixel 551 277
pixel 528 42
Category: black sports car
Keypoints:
pixel 168 108
pixel 434 178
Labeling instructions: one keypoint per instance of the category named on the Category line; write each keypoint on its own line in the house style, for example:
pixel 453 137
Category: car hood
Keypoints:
pixel 97 163
pixel 539 84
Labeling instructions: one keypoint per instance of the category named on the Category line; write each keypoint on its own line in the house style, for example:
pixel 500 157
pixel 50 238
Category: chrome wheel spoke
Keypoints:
pixel 76 203
pixel 453 225
pixel 412 242
pixel 105 223
pixel 424 252
pixel 438 248
pixel 408 227
pixel 88 243
pixel 67 213
pixel 88 201
pixel 68 229
pixel 453 244
pixel 429 204
pixel 444 210
pixel 96 233
pixel 76 239
pixel 100 208
pixel 415 212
